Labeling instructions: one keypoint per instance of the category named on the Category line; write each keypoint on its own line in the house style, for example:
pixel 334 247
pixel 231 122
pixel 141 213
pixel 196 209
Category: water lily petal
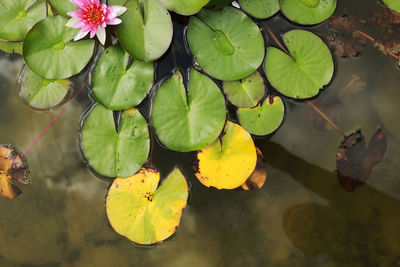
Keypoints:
pixel 76 14
pixel 101 35
pixel 81 24
pixel 81 4
pixel 117 10
pixel 80 35
pixel 93 31
pixel 71 22
pixel 114 21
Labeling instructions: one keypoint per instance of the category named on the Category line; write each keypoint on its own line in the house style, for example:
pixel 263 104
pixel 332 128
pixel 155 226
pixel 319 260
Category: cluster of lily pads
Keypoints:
pixel 188 109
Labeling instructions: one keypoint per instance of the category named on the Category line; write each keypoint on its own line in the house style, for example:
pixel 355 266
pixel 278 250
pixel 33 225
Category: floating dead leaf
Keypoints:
pixel 11 169
pixel 344 24
pixel 389 41
pixel 257 178
pixel 330 102
pixel 346 41
pixel 355 161
pixel 345 46
pixel 385 18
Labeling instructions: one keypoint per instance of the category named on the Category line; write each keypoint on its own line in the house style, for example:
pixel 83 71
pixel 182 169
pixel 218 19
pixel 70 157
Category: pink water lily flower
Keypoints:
pixel 93 17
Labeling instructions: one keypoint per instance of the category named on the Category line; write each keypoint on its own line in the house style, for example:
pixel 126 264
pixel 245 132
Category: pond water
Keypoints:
pixel 301 217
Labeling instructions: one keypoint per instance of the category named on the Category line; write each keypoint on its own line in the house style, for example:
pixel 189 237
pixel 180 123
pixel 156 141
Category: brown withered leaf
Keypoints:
pixel 355 161
pixel 385 19
pixel 345 46
pixel 389 41
pixel 346 41
pixel 345 25
pixel 12 169
pixel 257 178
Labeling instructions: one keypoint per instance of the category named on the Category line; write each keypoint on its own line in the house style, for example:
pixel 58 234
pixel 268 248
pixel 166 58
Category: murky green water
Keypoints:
pixel 302 217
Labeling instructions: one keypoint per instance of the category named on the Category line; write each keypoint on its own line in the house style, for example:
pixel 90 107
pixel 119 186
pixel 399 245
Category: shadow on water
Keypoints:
pixel 363 225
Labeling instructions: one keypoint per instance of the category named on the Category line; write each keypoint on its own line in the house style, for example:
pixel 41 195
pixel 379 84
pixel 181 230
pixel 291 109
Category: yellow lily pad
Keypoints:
pixel 228 163
pixel 144 214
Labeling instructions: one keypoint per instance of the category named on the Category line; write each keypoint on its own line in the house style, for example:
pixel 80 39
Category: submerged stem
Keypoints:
pixel 373 40
pixel 323 115
pixel 54 120
pixel 276 39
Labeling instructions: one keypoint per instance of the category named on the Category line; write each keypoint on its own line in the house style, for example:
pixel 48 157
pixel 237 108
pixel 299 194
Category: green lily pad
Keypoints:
pixel 393 5
pixel 62 7
pixel 40 93
pixel 11 47
pixel 188 121
pixel 49 52
pixel 140 211
pixel 119 84
pixel 184 7
pixel 307 12
pixel 247 92
pixel 263 119
pixel 260 9
pixel 307 70
pixel 217 4
pixel 18 16
pixel 226 43
pixel 116 2
pixel 146 29
pixel 115 153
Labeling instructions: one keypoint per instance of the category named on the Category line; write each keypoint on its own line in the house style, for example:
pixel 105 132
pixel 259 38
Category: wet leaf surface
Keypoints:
pixel 259 176
pixel 355 161
pixel 145 214
pixel 346 41
pixel 12 169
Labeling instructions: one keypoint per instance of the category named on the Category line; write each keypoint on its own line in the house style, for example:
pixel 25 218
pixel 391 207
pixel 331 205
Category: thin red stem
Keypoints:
pixel 315 108
pixel 373 40
pixel 54 120
pixel 276 39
